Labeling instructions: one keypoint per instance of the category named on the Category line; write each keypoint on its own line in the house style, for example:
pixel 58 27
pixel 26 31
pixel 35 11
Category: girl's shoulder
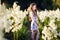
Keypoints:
pixel 31 14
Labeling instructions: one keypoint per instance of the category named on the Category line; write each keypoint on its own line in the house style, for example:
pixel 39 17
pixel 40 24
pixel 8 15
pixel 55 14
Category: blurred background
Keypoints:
pixel 41 4
pixel 15 24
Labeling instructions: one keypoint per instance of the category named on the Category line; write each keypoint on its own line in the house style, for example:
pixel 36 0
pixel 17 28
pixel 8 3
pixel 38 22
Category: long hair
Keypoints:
pixel 30 7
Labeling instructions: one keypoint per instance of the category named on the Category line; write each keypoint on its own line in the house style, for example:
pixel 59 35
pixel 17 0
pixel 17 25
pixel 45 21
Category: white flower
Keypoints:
pixel 52 24
pixel 19 15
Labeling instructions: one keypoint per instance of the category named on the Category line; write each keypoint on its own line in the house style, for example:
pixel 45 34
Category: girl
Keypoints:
pixel 34 21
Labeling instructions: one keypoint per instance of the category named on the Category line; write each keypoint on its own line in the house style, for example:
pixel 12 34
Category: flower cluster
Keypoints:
pixel 49 32
pixel 12 19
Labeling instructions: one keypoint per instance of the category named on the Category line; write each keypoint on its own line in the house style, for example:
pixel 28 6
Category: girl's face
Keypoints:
pixel 34 8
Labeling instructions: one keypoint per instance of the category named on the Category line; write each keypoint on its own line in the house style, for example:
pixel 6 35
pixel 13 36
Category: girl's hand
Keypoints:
pixel 37 23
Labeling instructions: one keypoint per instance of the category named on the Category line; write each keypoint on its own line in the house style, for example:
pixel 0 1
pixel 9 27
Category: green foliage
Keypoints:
pixel 23 34
pixel 41 26
pixel 9 35
pixel 56 2
pixel 15 35
pixel 25 21
pixel 58 27
pixel 58 24
pixel 11 18
pixel 46 21
pixel 40 30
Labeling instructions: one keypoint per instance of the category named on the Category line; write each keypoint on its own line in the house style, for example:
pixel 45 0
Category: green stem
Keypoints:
pixel 15 35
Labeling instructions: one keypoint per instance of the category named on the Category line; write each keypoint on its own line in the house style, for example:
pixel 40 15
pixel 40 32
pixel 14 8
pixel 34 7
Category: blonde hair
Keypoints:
pixel 30 7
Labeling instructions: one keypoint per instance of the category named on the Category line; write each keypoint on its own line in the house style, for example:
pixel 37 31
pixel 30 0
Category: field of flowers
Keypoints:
pixel 13 22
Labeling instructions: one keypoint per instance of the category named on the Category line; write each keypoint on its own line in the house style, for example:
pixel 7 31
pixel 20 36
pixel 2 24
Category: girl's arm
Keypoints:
pixel 30 19
pixel 30 16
